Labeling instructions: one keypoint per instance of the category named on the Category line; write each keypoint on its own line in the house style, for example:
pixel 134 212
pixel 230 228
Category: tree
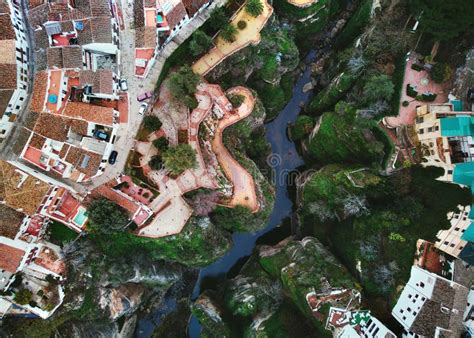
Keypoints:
pixel 161 143
pixel 179 158
pixel 218 19
pixel 23 296
pixel 444 20
pixel 234 219
pixel 303 126
pixel 441 72
pixel 228 33
pixel 156 163
pixel 200 43
pixel 152 123
pixel 254 7
pixel 378 87
pixel 182 85
pixel 106 217
pixel 236 100
pixel 205 202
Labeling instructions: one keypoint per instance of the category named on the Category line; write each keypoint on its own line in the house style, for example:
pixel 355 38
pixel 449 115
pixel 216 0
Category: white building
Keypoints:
pixel 14 57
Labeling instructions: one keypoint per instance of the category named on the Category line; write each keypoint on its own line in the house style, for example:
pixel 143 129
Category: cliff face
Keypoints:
pixel 275 281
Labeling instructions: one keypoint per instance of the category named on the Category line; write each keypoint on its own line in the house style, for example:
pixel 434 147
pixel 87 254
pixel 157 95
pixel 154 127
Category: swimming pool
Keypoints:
pixel 81 217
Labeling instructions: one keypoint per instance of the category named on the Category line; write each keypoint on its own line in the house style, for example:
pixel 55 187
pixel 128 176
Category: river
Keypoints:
pixel 283 160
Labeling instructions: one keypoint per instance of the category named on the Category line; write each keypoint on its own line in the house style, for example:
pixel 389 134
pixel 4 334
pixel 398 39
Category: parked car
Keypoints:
pixel 143 108
pixel 123 85
pixel 144 96
pixel 113 157
pixel 99 134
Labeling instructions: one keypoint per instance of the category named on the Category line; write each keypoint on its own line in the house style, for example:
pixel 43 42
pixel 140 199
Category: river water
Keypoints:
pixel 284 159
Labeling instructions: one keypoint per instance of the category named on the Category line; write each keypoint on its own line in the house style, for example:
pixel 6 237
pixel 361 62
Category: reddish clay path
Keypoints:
pixel 406 115
pixel 244 185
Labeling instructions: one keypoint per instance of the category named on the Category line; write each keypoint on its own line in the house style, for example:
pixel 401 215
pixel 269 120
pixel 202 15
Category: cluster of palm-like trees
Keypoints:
pixel 229 31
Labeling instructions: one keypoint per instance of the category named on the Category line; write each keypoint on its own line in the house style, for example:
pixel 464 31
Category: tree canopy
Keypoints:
pixel 218 19
pixel 228 32
pixel 200 43
pixel 179 158
pixel 254 7
pixel 182 85
pixel 106 217
pixel 152 123
pixel 161 143
pixel 378 87
pixel 444 20
pixel 156 162
pixel 23 296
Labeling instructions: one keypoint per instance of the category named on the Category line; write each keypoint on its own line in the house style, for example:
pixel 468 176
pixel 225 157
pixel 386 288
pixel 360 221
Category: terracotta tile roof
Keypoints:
pixel 84 161
pixel 38 15
pixel 100 8
pixel 37 141
pixel 5 96
pixel 84 36
pixel 67 26
pixel 8 72
pixel 176 15
pixel 54 57
pixel 111 194
pixel 18 192
pixel 35 3
pixel 64 150
pixel 7 52
pixel 79 126
pixel 89 112
pixel 10 221
pixel 101 80
pixel 6 29
pixel 4 8
pixel 10 258
pixel 145 37
pixel 52 126
pixel 50 260
pixel 39 92
pixel 193 6
pixel 150 3
pixel 101 29
pixel 72 57
pixel 138 14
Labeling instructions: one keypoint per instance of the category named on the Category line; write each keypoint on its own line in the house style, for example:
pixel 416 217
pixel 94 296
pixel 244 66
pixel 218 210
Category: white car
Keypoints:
pixel 143 108
pixel 123 85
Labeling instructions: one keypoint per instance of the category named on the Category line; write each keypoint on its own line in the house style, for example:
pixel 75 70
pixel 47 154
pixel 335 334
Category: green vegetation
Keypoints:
pixel 200 43
pixel 161 143
pixel 355 25
pixel 397 79
pixel 218 19
pixel 60 234
pixel 441 72
pixel 254 7
pixel 182 85
pixel 106 217
pixel 151 123
pixel 328 97
pixel 236 100
pixel 241 25
pixel 179 158
pixel 238 219
pixel 444 20
pixel 342 138
pixel 156 162
pixel 303 126
pixel 378 87
pixel 228 32
pixel 23 296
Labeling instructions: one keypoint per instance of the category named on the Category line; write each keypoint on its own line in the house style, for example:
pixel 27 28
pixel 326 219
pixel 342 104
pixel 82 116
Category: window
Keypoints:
pixel 430 129
pixel 456 229
pixel 452 245
pixel 421 131
pixel 422 284
pixel 436 128
pixel 450 172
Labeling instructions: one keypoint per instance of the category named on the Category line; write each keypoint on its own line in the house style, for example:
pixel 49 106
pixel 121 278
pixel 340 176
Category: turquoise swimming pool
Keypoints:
pixel 81 216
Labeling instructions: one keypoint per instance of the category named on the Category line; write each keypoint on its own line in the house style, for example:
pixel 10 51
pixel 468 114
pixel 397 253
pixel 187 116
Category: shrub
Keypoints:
pixel 156 163
pixel 218 19
pixel 228 33
pixel 254 7
pixel 378 87
pixel 179 158
pixel 236 100
pixel 428 97
pixel 405 103
pixel 152 123
pixel 411 91
pixel 303 126
pixel 22 296
pixel 241 24
pixel 161 143
pixel 417 67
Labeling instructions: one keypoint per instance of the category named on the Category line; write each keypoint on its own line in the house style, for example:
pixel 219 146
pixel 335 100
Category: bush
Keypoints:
pixel 106 217
pixel 254 7
pixel 411 91
pixel 152 123
pixel 417 67
pixel 302 127
pixel 156 163
pixel 441 72
pixel 241 24
pixel 428 97
pixel 228 33
pixel 179 158
pixel 378 87
pixel 405 103
pixel 236 100
pixel 161 143
pixel 218 19
pixel 23 296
